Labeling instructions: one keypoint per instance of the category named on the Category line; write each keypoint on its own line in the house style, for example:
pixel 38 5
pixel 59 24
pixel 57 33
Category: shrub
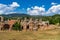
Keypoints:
pixel 17 26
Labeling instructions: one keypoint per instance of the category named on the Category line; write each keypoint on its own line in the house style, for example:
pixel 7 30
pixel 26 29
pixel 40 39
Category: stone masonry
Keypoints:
pixel 26 24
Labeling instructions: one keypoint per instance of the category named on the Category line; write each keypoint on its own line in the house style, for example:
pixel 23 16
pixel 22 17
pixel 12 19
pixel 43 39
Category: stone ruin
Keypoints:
pixel 26 24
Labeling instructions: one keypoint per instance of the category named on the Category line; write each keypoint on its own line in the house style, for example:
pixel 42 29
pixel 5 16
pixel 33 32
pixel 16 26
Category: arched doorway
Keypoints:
pixel 0 19
pixel 22 27
pixel 27 27
pixel 6 27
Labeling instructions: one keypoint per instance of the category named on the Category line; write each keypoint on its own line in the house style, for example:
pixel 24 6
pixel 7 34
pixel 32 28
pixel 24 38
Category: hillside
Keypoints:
pixel 14 15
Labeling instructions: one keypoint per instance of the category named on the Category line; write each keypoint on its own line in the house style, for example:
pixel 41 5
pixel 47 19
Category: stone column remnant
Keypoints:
pixel 31 24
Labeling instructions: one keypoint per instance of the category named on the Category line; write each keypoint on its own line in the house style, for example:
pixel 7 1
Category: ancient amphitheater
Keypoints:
pixel 26 24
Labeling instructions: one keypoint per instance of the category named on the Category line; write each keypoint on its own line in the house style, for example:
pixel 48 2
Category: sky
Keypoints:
pixel 31 7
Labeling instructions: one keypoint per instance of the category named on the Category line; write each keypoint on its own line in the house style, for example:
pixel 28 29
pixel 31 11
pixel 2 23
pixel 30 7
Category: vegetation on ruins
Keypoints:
pixel 17 26
pixel 52 19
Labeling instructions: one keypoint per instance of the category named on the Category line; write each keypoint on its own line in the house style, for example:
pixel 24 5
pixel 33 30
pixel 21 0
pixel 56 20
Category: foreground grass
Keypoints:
pixel 30 35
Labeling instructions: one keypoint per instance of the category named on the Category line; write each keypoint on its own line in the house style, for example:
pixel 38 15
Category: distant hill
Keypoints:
pixel 56 15
pixel 26 15
pixel 14 15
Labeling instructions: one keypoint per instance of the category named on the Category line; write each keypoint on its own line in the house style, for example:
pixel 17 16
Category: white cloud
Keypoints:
pixel 1 11
pixel 28 9
pixel 54 9
pixel 36 10
pixel 53 3
pixel 14 4
pixel 5 9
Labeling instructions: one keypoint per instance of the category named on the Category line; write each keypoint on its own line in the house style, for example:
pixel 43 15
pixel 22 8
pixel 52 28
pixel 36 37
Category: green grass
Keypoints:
pixel 30 35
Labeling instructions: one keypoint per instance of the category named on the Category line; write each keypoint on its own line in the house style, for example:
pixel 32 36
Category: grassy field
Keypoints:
pixel 30 35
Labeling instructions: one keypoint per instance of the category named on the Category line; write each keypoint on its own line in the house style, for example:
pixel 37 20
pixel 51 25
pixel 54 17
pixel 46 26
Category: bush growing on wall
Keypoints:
pixel 17 26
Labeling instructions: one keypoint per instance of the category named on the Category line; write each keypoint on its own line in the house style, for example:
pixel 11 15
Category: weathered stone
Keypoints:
pixel 32 25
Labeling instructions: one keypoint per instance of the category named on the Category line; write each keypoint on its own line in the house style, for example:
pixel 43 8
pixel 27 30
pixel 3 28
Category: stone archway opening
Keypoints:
pixel 6 27
pixel 27 27
pixel 22 27
pixel 0 19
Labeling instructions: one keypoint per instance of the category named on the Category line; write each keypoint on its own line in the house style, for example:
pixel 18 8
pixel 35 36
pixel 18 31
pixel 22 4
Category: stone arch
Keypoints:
pixel 0 18
pixel 11 23
pixel 12 28
pixel 22 27
pixel 6 27
pixel 27 27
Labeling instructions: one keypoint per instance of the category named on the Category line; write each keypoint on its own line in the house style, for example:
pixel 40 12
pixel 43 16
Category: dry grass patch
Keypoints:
pixel 30 35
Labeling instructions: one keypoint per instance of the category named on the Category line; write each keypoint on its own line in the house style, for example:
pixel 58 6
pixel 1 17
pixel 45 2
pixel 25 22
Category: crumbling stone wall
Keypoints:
pixel 32 25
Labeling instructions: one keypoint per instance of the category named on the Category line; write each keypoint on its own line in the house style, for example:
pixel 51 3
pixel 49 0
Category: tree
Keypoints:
pixel 17 26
